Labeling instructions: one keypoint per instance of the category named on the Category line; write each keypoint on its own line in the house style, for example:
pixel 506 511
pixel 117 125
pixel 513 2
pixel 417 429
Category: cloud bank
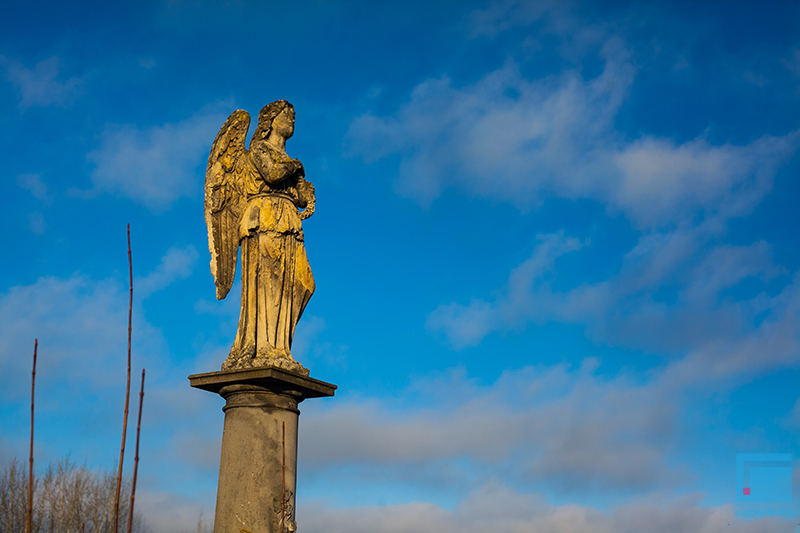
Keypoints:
pixel 494 507
pixel 517 140
pixel 158 165
pixel 41 85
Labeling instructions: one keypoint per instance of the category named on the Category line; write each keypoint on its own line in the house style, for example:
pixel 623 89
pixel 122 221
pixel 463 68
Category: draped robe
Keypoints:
pixel 277 282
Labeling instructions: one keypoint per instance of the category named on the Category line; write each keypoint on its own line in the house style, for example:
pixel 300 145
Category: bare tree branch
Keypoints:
pixel 127 390
pixel 136 458
pixel 29 521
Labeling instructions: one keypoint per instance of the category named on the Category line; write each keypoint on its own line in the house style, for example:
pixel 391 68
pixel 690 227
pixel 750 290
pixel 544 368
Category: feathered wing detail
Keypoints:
pixel 228 164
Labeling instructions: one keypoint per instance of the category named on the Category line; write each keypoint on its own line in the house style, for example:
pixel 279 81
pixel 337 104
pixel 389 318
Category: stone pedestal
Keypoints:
pixel 258 465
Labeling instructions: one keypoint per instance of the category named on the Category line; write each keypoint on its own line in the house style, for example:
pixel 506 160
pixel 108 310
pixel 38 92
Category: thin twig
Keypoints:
pixel 29 521
pixel 136 458
pixel 283 477
pixel 127 390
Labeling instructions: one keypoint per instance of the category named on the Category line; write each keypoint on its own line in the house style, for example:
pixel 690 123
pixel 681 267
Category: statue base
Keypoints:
pixel 280 361
pixel 258 464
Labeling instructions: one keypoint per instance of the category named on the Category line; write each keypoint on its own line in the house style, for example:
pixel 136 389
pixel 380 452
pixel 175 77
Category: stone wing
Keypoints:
pixel 228 164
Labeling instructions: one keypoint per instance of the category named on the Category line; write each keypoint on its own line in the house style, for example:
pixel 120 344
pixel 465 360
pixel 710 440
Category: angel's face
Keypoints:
pixel 283 124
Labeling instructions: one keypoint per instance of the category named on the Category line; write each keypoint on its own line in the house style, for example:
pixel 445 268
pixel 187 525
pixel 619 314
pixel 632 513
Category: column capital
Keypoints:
pixel 272 379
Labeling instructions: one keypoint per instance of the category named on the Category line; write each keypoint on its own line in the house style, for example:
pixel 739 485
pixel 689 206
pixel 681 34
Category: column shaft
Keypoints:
pixel 258 465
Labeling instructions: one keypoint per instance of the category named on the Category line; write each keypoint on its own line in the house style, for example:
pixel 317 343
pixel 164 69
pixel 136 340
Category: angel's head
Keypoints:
pixel 277 119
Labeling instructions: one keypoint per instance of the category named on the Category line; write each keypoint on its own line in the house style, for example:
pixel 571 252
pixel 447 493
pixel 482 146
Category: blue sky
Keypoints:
pixel 556 251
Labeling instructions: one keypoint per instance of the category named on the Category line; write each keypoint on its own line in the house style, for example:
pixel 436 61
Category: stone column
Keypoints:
pixel 258 465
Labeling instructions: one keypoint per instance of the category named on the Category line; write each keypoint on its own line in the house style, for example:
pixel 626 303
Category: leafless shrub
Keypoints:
pixel 67 499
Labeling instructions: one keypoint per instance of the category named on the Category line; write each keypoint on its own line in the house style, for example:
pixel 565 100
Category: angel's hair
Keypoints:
pixel 267 115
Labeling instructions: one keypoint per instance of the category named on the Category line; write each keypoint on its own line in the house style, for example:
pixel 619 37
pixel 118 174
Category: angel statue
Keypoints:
pixel 254 199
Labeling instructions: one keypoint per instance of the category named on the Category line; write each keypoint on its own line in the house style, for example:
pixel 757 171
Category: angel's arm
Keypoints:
pixel 281 171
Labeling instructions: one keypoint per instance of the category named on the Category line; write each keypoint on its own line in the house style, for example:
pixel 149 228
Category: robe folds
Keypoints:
pixel 277 282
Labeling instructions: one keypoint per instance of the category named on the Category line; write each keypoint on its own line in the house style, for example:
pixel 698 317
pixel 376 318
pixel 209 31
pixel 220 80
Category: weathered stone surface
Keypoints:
pixel 253 201
pixel 258 463
pixel 275 379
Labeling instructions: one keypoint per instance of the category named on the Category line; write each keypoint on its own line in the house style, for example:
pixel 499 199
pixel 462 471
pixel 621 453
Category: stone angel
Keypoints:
pixel 256 199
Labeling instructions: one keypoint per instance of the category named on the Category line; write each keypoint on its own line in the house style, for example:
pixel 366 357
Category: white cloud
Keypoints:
pixel 494 507
pixel 34 184
pixel 468 325
pixel 792 420
pixel 659 179
pixel 309 345
pixel 177 263
pixel 11 448
pixel 567 428
pixel 724 266
pixel 165 511
pixel 41 86
pixel 307 335
pixel 158 165
pixel 751 351
pixel 793 63
pixel 512 139
pixel 36 223
pixel 720 336
pixel 81 324
pixel 501 16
